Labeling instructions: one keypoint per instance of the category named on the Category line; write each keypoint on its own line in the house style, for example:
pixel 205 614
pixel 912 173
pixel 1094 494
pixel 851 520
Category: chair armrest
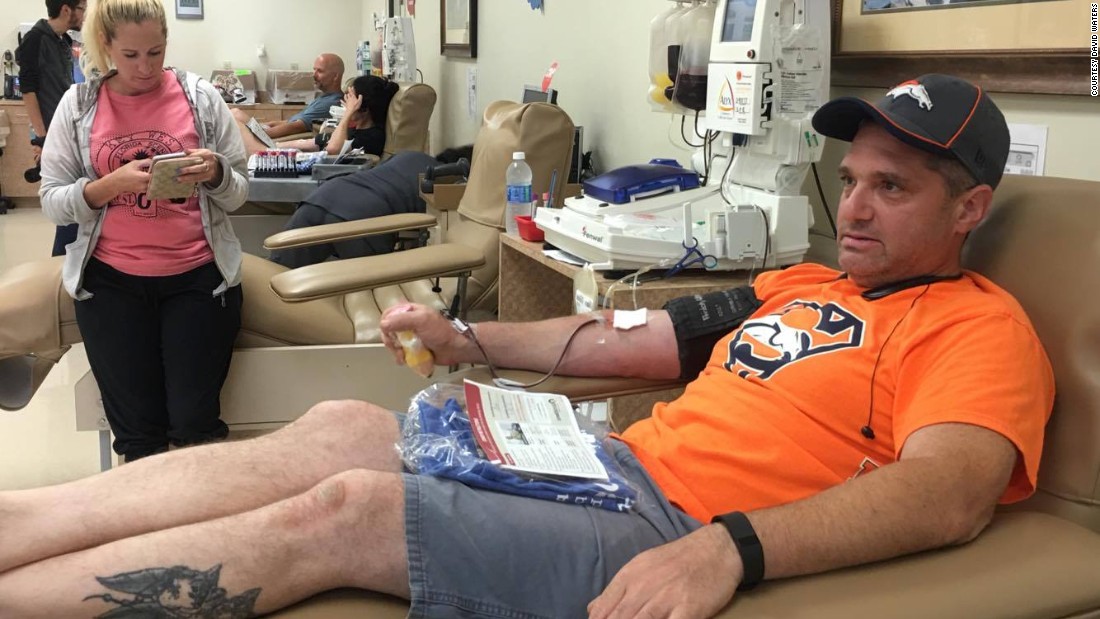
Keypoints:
pixel 446 195
pixel 1025 565
pixel 338 277
pixel 576 388
pixel 333 233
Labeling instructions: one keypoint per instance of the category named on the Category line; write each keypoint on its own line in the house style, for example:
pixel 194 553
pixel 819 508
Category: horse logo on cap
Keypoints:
pixel 914 89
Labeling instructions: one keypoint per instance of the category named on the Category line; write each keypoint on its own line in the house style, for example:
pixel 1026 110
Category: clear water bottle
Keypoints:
pixel 517 183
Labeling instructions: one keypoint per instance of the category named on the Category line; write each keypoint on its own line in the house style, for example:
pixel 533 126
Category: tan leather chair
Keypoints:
pixel 407 119
pixel 542 130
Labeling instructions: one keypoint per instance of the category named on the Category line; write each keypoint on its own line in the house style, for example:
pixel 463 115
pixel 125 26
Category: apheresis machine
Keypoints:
pixel 765 74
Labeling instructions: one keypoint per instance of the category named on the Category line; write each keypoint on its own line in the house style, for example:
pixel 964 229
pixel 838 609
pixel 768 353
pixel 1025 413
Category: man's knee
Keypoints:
pixel 347 416
pixel 352 494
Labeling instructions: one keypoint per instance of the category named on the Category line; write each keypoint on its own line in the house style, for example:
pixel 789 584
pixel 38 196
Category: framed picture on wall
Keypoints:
pixel 1028 46
pixel 458 28
pixel 188 9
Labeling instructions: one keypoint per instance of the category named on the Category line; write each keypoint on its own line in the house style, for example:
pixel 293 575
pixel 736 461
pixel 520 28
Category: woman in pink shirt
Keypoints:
pixel 157 281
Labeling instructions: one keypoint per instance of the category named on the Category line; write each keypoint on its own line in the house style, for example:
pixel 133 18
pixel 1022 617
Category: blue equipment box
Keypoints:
pixel 634 182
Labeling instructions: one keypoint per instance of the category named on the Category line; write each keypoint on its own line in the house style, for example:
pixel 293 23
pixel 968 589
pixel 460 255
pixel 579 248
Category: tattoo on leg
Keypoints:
pixel 171 592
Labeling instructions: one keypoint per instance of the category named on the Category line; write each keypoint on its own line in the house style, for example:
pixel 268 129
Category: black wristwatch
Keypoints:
pixel 38 140
pixel 748 545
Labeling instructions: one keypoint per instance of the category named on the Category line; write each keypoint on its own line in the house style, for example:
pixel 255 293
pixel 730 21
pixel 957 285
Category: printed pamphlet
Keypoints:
pixel 531 432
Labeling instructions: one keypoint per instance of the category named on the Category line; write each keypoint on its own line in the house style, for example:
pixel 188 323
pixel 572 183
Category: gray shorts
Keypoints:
pixel 476 553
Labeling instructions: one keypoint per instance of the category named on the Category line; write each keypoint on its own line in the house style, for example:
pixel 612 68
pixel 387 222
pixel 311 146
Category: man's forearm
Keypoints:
pixel 915 504
pixel 282 130
pixel 598 349
pixel 34 113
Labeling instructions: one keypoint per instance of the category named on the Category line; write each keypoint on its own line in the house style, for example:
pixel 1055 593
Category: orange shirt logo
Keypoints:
pixel 799 330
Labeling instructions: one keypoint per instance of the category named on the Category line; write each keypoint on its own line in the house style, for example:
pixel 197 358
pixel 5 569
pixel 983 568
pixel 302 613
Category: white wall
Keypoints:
pixel 12 13
pixel 293 31
pixel 602 49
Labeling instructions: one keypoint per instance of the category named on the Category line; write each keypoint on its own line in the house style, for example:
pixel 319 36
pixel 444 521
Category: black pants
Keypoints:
pixel 159 348
pixel 308 215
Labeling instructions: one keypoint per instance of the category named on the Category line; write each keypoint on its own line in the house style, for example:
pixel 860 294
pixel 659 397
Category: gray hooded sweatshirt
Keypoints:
pixel 67 169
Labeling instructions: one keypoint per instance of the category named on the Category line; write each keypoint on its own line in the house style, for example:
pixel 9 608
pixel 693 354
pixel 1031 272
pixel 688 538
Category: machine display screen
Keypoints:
pixel 738 21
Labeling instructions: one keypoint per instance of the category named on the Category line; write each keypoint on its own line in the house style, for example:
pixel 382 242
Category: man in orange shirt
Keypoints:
pixel 835 418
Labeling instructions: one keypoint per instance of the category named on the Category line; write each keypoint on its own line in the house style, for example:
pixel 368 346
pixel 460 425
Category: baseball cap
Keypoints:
pixel 940 114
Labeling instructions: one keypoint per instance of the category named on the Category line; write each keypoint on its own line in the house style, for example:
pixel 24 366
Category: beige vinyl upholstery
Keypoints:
pixel 1039 559
pixel 407 119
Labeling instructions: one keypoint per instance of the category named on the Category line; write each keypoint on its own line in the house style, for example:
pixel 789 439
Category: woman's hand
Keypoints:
pixel 352 103
pixel 130 178
pixel 209 171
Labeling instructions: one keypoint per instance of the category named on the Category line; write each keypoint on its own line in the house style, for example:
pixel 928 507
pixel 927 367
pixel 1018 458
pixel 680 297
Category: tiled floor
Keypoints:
pixel 39 445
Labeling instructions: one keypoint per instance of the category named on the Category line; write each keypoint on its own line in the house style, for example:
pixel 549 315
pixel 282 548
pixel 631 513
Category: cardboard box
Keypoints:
pixel 290 86
pixel 248 81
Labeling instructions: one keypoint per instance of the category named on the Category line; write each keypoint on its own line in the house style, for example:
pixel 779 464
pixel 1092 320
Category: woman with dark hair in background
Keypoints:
pixel 366 104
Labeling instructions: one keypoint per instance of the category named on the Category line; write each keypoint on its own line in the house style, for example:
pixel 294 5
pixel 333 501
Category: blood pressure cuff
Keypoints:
pixel 701 320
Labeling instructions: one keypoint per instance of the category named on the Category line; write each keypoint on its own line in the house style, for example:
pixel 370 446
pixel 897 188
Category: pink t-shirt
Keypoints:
pixel 139 236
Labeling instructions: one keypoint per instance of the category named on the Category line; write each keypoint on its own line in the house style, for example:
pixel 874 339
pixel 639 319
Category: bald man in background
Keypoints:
pixel 328 75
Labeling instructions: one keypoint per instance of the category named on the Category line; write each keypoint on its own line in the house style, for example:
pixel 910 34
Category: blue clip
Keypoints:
pixel 692 256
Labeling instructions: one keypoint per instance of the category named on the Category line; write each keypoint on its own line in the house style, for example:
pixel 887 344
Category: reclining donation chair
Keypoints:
pixel 407 120
pixel 312 333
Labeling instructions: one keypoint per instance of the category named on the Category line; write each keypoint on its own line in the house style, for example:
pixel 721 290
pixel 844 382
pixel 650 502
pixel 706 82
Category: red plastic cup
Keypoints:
pixel 528 231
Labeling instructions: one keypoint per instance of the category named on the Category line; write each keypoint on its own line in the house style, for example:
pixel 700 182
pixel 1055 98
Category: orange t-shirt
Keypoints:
pixel 776 415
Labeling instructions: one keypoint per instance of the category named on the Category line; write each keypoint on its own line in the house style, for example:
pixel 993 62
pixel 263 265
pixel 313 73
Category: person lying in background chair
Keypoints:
pixel 328 75
pixel 386 189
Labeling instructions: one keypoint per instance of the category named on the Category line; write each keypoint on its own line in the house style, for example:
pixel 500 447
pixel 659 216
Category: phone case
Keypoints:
pixel 164 185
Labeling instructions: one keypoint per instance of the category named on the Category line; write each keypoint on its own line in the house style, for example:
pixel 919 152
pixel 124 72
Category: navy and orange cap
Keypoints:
pixel 936 113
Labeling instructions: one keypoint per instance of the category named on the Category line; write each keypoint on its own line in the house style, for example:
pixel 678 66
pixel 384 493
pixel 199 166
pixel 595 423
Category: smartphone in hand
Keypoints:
pixel 164 183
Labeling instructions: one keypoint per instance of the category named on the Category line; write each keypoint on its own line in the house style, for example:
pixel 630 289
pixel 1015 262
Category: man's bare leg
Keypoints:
pixel 240 115
pixel 346 531
pixel 196 484
pixel 252 144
